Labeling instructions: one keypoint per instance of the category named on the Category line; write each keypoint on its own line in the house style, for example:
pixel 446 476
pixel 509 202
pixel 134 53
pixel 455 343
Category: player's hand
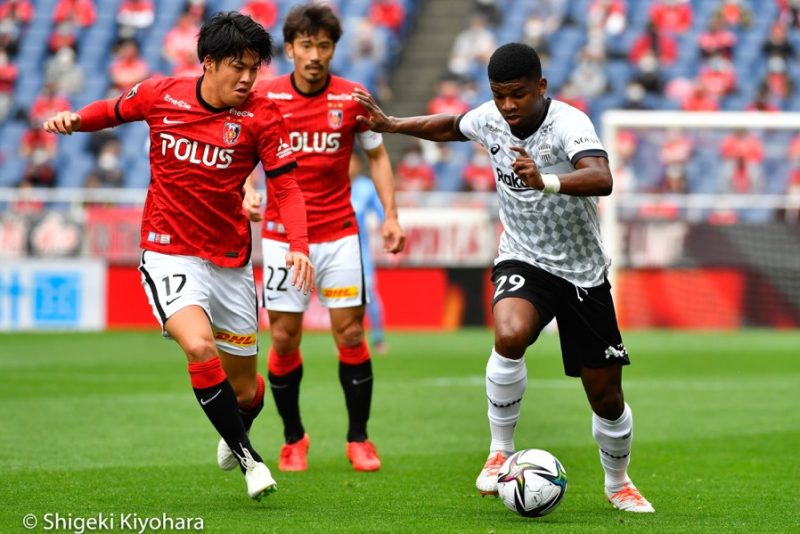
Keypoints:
pixel 377 120
pixel 526 169
pixel 63 122
pixel 302 271
pixel 394 239
pixel 251 204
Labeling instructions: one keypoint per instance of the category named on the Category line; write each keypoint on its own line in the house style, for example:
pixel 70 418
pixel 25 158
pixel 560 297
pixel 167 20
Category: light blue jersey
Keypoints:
pixel 364 199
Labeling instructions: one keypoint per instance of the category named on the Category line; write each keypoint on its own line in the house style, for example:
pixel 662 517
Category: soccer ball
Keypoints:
pixel 532 482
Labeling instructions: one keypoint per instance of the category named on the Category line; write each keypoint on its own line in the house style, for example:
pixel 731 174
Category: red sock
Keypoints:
pixel 206 374
pixel 259 397
pixel 354 355
pixel 283 364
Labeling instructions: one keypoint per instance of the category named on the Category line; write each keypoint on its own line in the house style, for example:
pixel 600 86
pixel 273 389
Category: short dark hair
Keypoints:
pixel 514 60
pixel 231 34
pixel 309 19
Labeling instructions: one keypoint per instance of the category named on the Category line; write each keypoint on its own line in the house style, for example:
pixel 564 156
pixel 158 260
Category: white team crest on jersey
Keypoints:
pixel 230 132
pixel 335 118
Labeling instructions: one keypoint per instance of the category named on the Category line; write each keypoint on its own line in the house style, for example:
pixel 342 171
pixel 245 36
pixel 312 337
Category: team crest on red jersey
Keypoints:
pixel 335 118
pixel 230 132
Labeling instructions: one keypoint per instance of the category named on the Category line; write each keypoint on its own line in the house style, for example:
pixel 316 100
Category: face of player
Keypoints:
pixel 312 55
pixel 227 83
pixel 521 102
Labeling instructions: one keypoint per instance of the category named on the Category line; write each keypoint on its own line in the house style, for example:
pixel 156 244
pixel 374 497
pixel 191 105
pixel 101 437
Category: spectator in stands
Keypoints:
pixel 742 154
pixel 472 48
pixel 48 102
pixel 81 13
pixel 413 173
pixel 778 43
pixel 624 175
pixel 762 100
pixel 662 44
pixel 648 73
pixel 570 94
pixel 62 71
pixel 634 96
pixel 672 16
pixel 366 44
pixel 699 99
pixel 15 15
pixel 187 65
pixel 675 154
pixel 777 80
pixel 25 204
pixel 182 39
pixel 135 15
pixel 589 74
pixel 108 168
pixel 265 12
pixel 448 97
pixel 38 149
pixel 8 79
pixel 479 174
pixel 793 184
pixel 609 15
pixel 718 76
pixel 717 39
pixel 127 68
pixel 388 14
pixel 735 13
pixel 789 12
pixel 197 9
pixel 18 11
pixel 536 34
pixel 489 10
pixel 64 34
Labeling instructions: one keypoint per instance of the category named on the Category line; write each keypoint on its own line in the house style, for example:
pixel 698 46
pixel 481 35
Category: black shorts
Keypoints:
pixel 587 322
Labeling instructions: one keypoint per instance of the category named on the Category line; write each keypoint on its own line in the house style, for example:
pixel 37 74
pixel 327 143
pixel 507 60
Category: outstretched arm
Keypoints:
pixel 441 127
pixel 96 116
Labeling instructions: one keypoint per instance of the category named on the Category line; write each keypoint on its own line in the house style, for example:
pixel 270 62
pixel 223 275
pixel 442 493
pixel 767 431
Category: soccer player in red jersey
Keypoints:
pixel 321 116
pixel 206 135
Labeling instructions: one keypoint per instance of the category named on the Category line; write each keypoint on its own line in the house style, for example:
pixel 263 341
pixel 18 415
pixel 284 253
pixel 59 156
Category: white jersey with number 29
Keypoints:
pixel 557 233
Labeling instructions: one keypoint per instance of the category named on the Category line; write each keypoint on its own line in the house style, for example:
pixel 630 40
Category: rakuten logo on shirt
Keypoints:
pixel 320 142
pixel 193 152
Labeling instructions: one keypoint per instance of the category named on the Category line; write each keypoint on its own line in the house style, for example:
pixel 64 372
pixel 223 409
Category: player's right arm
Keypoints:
pixel 102 114
pixel 441 127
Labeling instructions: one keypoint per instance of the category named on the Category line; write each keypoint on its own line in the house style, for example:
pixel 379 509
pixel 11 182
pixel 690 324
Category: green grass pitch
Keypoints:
pixel 106 423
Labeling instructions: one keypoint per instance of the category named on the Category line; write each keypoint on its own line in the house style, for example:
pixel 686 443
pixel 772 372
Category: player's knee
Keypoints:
pixel 200 350
pixel 350 335
pixel 285 341
pixel 511 340
pixel 245 391
pixel 608 403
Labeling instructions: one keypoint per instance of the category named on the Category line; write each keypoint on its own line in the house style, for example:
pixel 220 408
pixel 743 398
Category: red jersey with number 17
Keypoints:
pixel 322 127
pixel 200 157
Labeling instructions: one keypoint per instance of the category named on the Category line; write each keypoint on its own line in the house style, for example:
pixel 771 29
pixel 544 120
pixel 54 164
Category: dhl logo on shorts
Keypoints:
pixel 243 340
pixel 340 292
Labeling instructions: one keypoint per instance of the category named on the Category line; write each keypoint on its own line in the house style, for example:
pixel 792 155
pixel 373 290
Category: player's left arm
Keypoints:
pixel 380 168
pixel 591 177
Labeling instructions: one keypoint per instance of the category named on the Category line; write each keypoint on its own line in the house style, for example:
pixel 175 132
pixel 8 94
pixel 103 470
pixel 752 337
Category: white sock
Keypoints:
pixel 505 385
pixel 614 439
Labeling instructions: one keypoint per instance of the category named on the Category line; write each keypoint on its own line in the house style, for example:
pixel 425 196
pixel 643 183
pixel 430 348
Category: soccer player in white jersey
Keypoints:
pixel 550 169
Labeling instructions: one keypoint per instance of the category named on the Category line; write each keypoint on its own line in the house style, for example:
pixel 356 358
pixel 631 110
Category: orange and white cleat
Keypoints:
pixel 628 499
pixel 363 456
pixel 487 479
pixel 293 455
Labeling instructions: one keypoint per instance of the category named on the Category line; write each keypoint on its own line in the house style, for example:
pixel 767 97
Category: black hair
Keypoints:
pixel 309 19
pixel 231 34
pixel 514 60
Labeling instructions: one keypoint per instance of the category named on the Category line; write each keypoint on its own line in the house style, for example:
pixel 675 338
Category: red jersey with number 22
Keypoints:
pixel 322 127
pixel 200 157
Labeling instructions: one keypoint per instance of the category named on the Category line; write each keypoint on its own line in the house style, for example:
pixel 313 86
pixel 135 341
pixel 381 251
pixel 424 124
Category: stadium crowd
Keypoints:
pixel 695 55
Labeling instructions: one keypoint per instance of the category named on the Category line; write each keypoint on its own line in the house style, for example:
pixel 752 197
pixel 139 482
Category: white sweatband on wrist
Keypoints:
pixel 552 184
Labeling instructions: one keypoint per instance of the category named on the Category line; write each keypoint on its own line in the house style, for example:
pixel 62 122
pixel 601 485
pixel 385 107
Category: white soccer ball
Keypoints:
pixel 532 482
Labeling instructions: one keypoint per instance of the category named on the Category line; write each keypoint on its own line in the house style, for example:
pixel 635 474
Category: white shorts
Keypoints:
pixel 339 275
pixel 227 295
